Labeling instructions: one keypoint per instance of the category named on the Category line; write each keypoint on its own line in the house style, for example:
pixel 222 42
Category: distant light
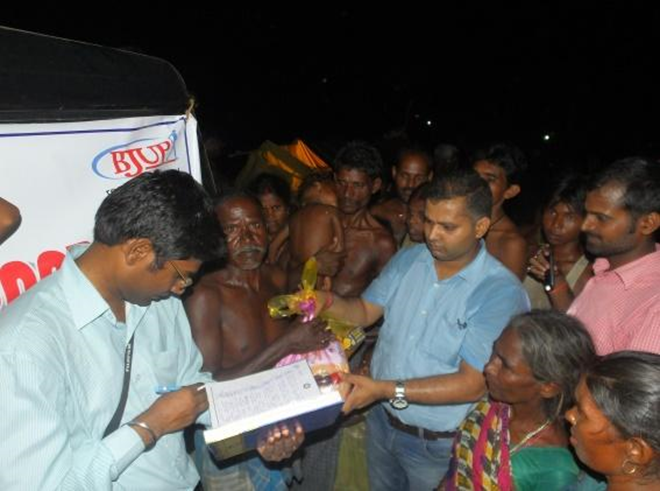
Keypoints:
pixel 324 80
pixel 429 123
pixel 416 116
pixel 546 137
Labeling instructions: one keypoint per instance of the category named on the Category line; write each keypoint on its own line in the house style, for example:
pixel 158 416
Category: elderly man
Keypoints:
pixel 233 330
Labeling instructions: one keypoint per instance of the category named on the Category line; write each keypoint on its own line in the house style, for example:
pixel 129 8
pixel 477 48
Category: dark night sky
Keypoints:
pixel 584 75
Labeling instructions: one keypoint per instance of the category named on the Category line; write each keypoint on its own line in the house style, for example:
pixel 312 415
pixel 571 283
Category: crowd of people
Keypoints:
pixel 494 359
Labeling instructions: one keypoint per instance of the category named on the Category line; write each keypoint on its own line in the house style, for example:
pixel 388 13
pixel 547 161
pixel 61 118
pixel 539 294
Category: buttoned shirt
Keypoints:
pixel 621 307
pixel 431 325
pixel 61 376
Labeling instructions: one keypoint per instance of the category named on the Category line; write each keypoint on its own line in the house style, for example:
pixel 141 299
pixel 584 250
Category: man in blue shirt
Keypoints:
pixel 66 345
pixel 444 303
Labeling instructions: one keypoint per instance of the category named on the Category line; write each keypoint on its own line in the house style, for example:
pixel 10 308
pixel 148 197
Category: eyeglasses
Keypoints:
pixel 186 280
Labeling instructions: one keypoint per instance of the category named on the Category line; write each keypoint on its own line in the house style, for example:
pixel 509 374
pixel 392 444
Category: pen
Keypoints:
pixel 164 389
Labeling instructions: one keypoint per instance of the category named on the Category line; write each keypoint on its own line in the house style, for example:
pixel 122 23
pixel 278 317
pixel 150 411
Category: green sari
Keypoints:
pixel 482 459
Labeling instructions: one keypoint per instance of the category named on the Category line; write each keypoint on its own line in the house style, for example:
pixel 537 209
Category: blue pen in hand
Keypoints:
pixel 166 389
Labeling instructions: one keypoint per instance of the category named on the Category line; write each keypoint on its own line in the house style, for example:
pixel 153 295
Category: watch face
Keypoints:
pixel 399 403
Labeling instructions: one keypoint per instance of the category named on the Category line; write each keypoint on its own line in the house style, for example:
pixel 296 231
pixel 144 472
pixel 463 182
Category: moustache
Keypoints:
pixel 251 249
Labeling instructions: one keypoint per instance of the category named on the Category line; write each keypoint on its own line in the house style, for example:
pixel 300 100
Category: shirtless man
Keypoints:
pixel 414 167
pixel 415 218
pixel 501 167
pixel 230 321
pixel 369 245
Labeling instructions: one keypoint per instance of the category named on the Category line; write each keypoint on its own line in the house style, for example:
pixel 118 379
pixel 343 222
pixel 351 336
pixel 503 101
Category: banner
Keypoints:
pixel 57 174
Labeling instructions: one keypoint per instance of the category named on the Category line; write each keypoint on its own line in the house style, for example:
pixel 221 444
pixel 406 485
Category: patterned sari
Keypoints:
pixel 481 458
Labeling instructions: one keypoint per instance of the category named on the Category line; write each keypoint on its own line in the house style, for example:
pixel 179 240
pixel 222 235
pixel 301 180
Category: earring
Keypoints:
pixel 628 467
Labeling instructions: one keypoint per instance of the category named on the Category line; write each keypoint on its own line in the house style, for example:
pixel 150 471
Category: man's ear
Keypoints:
pixel 512 191
pixel 649 223
pixel 482 226
pixel 376 184
pixel 137 250
pixel 430 177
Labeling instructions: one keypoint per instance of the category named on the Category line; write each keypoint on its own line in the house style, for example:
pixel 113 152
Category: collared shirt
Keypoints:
pixel 61 375
pixel 432 325
pixel 621 307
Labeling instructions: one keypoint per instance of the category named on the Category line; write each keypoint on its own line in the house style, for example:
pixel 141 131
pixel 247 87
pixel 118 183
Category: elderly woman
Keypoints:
pixel 561 223
pixel 516 439
pixel 616 420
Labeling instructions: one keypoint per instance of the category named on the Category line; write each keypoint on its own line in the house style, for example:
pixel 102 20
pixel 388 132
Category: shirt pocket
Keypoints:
pixel 442 340
pixel 165 367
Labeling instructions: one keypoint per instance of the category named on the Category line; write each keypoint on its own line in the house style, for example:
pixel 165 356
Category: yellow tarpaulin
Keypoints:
pixel 291 162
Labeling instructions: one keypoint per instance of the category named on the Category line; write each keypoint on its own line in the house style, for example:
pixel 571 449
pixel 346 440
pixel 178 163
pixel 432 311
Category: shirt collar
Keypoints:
pixel 631 272
pixel 471 272
pixel 85 302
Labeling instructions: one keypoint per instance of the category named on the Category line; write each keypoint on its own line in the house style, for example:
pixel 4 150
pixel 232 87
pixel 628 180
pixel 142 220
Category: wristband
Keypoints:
pixel 145 426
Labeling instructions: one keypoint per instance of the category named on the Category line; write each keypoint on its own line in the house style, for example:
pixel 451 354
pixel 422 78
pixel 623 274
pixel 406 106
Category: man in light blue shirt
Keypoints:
pixel 444 304
pixel 64 345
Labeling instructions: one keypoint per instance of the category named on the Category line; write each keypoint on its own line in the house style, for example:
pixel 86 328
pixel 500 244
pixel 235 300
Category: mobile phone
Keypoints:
pixel 549 280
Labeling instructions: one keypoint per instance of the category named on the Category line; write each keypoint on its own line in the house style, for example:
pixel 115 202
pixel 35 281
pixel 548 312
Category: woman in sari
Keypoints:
pixel 516 438
pixel 616 421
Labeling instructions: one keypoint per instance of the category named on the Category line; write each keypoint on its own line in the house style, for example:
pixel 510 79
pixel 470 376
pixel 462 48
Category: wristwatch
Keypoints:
pixel 399 400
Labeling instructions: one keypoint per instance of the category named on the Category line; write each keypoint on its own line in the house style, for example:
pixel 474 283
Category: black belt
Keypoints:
pixel 417 431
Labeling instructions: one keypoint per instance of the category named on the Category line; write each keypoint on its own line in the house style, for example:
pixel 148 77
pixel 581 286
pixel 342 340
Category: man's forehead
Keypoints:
pixel 445 208
pixel 352 174
pixel 488 167
pixel 414 164
pixel 240 206
pixel 610 194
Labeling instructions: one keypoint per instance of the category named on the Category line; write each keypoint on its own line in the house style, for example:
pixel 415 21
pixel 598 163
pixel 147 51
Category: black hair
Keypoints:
pixel 271 184
pixel 360 156
pixel 557 349
pixel 315 177
pixel 640 179
pixel 508 157
pixel 626 388
pixel 463 183
pixel 447 158
pixel 170 209
pixel 571 190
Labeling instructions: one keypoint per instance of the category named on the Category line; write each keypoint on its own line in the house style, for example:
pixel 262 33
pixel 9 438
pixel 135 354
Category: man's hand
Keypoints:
pixel 175 410
pixel 539 265
pixel 281 442
pixel 365 391
pixel 303 337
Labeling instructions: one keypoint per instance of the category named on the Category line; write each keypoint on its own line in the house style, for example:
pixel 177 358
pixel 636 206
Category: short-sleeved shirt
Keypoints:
pixel 621 307
pixel 61 365
pixel 431 325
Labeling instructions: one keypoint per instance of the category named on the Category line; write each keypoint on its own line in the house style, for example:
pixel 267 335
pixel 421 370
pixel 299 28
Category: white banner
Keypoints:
pixel 57 174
